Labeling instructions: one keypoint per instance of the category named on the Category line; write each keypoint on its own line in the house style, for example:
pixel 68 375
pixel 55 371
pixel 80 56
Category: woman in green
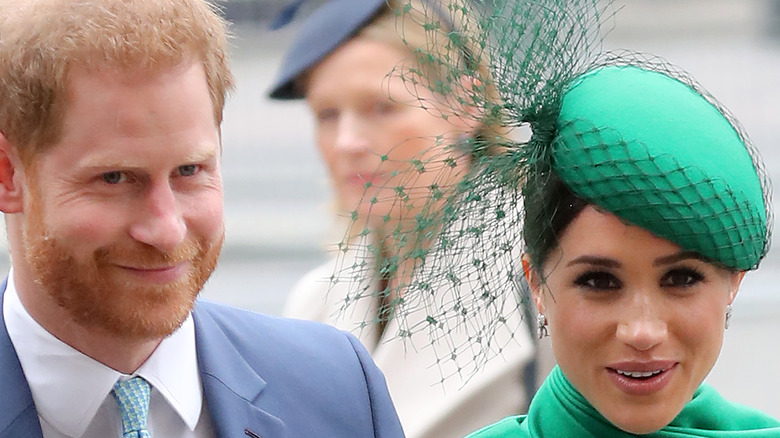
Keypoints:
pixel 637 237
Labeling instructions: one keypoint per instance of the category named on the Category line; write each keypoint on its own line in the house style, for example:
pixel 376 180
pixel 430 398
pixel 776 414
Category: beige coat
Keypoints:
pixel 428 405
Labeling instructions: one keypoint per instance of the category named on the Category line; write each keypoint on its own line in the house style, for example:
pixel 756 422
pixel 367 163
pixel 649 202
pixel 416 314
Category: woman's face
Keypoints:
pixel 370 126
pixel 635 322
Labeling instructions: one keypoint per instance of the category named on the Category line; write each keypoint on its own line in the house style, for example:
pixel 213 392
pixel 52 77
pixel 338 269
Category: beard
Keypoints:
pixel 98 294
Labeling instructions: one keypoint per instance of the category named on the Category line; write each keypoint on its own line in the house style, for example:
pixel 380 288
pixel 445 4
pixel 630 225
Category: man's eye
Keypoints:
pixel 115 177
pixel 681 278
pixel 598 281
pixel 188 169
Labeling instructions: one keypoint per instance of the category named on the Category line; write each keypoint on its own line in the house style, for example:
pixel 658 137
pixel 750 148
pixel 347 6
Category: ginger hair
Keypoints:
pixel 42 40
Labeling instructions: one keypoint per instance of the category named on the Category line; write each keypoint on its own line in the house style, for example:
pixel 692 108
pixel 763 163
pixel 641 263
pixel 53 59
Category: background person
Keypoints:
pixel 352 62
pixel 110 183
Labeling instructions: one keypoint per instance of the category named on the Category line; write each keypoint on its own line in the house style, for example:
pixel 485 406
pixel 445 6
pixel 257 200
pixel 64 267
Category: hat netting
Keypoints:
pixel 456 242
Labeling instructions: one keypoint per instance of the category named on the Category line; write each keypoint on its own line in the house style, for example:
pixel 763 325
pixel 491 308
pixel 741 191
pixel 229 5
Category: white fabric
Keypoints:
pixel 427 406
pixel 71 391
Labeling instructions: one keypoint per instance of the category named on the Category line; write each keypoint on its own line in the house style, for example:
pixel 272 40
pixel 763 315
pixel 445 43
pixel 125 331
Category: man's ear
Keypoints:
pixel 533 282
pixel 11 199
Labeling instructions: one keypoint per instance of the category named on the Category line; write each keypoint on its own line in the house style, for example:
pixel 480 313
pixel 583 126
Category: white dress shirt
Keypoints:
pixel 72 392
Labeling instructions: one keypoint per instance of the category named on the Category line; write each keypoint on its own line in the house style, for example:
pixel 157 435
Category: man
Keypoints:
pixel 111 188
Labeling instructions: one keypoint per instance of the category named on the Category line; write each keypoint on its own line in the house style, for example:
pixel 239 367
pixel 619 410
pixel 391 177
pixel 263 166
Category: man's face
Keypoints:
pixel 123 219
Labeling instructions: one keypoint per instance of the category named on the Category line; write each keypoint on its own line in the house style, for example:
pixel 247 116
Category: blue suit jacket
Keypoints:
pixel 262 377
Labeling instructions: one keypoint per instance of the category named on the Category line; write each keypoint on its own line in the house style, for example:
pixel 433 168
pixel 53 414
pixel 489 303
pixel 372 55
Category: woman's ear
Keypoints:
pixel 736 281
pixel 11 199
pixel 533 282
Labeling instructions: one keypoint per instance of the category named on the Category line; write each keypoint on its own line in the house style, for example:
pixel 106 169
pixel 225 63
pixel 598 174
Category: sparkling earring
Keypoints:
pixel 728 315
pixel 541 325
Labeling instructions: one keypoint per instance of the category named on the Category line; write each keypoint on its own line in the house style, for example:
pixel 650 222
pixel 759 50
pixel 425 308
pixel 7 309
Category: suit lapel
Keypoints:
pixel 232 388
pixel 18 416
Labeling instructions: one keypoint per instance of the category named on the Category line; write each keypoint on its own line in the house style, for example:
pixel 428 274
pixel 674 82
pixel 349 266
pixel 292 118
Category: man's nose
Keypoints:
pixel 159 221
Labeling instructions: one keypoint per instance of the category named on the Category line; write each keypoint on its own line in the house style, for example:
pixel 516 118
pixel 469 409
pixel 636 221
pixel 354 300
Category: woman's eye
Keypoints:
pixel 114 177
pixel 599 281
pixel 327 115
pixel 188 169
pixel 384 108
pixel 681 278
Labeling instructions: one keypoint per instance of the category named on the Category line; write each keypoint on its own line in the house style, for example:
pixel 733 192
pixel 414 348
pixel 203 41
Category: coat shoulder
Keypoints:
pixel 315 376
pixel 308 297
pixel 284 345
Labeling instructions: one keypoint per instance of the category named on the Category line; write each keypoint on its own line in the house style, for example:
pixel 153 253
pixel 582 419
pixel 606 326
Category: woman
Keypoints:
pixel 637 164
pixel 355 72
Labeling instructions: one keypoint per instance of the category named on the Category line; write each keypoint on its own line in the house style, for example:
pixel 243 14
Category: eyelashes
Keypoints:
pixel 598 280
pixel 601 280
pixel 682 277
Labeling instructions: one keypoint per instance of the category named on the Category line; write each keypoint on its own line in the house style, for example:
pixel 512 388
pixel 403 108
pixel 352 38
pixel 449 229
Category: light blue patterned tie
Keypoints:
pixel 133 399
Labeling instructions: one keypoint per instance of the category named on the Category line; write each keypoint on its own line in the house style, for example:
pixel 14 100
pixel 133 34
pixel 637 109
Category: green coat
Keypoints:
pixel 559 411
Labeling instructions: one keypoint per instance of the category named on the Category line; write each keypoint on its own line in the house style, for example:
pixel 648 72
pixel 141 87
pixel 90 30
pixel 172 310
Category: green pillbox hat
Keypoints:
pixel 655 152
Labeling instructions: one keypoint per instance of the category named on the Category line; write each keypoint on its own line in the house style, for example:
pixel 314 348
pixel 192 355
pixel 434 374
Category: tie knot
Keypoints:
pixel 133 398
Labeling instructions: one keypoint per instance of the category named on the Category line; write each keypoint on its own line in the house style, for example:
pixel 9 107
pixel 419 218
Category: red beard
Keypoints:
pixel 98 294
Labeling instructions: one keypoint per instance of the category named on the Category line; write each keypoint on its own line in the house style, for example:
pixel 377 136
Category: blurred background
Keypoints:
pixel 277 200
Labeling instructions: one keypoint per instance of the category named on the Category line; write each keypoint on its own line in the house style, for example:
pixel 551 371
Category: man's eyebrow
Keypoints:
pixel 203 155
pixel 194 157
pixel 595 260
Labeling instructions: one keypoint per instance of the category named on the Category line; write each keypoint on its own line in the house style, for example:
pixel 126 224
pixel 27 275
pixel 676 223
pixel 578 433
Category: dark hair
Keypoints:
pixel 550 206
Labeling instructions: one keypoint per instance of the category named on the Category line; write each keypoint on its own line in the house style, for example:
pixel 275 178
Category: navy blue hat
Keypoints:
pixel 323 32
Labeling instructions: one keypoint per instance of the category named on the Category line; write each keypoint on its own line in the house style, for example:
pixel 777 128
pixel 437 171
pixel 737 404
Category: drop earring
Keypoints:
pixel 541 326
pixel 728 315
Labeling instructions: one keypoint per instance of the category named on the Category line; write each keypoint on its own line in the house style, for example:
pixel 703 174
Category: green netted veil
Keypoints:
pixel 625 131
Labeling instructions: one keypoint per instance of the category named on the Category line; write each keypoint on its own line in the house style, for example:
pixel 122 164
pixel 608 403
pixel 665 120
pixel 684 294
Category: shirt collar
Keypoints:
pixel 58 374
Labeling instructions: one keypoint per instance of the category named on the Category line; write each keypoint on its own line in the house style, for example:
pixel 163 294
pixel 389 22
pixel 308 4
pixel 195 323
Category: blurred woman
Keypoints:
pixel 355 64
